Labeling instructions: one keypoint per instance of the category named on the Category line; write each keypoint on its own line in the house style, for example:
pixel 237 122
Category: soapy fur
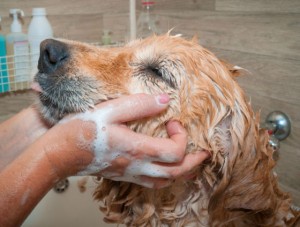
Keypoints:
pixel 235 188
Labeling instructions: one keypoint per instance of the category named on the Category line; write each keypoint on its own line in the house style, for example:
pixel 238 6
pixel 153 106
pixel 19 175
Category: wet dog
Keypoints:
pixel 236 187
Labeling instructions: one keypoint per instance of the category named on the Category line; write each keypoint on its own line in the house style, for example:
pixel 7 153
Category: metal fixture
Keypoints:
pixel 274 143
pixel 61 186
pixel 278 125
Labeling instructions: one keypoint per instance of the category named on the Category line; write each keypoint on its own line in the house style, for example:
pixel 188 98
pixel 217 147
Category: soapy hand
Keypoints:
pixel 93 143
pixel 103 145
pixel 152 162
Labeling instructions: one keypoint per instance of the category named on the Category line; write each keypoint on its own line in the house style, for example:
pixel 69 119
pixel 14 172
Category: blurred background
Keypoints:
pixel 262 36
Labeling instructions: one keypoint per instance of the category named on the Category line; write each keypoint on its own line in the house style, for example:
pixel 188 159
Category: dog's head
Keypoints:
pixel 74 77
pixel 205 98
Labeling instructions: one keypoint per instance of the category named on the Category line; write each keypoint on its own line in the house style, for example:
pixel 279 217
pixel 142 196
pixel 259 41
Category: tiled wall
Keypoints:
pixel 261 36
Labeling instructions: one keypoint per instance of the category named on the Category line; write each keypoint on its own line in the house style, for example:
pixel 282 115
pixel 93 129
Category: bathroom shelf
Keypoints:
pixel 15 73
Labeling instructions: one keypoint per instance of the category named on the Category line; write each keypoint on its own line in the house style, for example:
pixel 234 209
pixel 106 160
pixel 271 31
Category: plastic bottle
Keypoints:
pixel 18 53
pixel 146 24
pixel 4 80
pixel 38 30
pixel 106 38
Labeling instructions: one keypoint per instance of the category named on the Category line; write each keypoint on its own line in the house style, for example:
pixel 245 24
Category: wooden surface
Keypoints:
pixel 275 35
pixel 262 36
pixel 279 6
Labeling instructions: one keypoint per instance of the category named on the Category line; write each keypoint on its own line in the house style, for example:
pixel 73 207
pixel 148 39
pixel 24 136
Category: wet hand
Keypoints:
pixel 101 144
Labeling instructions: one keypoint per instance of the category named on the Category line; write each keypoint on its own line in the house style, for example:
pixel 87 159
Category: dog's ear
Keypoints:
pixel 247 185
pixel 195 39
pixel 234 70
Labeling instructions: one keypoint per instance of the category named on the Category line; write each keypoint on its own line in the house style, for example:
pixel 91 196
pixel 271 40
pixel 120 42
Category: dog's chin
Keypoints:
pixel 53 113
pixel 55 102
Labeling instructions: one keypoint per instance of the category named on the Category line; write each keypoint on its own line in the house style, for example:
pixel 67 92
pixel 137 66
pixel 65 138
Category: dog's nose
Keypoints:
pixel 53 54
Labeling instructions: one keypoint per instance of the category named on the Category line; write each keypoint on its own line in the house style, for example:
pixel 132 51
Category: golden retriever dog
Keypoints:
pixel 235 187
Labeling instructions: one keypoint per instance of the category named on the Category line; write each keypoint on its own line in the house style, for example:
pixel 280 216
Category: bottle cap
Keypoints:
pixel 38 12
pixel 148 2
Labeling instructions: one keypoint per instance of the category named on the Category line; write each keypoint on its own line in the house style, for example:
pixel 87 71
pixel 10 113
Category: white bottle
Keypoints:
pixel 38 30
pixel 18 48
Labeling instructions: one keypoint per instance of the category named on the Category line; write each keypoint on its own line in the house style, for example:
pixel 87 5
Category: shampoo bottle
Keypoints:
pixel 4 80
pixel 18 50
pixel 38 30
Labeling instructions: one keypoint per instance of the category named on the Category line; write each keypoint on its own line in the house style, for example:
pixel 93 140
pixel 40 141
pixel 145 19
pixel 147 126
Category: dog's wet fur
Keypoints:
pixel 236 187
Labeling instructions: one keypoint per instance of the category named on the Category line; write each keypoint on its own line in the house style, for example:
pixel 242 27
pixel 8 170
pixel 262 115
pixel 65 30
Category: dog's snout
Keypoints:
pixel 53 54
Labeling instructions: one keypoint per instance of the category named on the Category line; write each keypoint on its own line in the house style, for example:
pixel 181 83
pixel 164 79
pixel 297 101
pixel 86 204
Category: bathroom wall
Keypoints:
pixel 262 36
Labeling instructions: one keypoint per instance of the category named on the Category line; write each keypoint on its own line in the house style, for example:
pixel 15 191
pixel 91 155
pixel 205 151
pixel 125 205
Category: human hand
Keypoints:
pixel 99 143
pixel 148 161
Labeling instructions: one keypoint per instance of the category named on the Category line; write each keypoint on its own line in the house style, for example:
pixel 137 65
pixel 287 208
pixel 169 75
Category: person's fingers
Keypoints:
pixel 178 134
pixel 189 162
pixel 159 175
pixel 133 107
pixel 145 181
pixel 139 146
pixel 173 170
pixel 151 182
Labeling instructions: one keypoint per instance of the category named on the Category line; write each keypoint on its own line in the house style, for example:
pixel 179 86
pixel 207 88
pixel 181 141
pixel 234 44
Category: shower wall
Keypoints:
pixel 261 36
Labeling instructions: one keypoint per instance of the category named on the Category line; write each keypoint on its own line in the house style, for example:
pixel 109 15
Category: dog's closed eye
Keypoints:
pixel 155 71
pixel 160 73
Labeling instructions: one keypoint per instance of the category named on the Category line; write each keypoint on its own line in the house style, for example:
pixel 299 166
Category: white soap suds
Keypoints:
pixel 138 168
pixel 146 168
pixel 100 147
pixel 168 157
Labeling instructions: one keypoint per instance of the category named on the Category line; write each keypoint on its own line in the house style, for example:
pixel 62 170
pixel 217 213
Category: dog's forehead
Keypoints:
pixel 157 48
pixel 168 54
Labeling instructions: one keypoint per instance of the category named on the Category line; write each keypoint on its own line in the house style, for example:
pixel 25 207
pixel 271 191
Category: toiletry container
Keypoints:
pixel 147 21
pixel 38 30
pixel 106 38
pixel 18 53
pixel 4 80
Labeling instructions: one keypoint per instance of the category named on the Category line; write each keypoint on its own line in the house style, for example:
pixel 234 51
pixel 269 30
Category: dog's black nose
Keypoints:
pixel 53 54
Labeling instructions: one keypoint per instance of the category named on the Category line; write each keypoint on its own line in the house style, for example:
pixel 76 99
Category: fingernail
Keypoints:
pixel 162 99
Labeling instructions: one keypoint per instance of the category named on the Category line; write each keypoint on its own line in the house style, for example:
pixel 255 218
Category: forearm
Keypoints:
pixel 23 183
pixel 18 132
